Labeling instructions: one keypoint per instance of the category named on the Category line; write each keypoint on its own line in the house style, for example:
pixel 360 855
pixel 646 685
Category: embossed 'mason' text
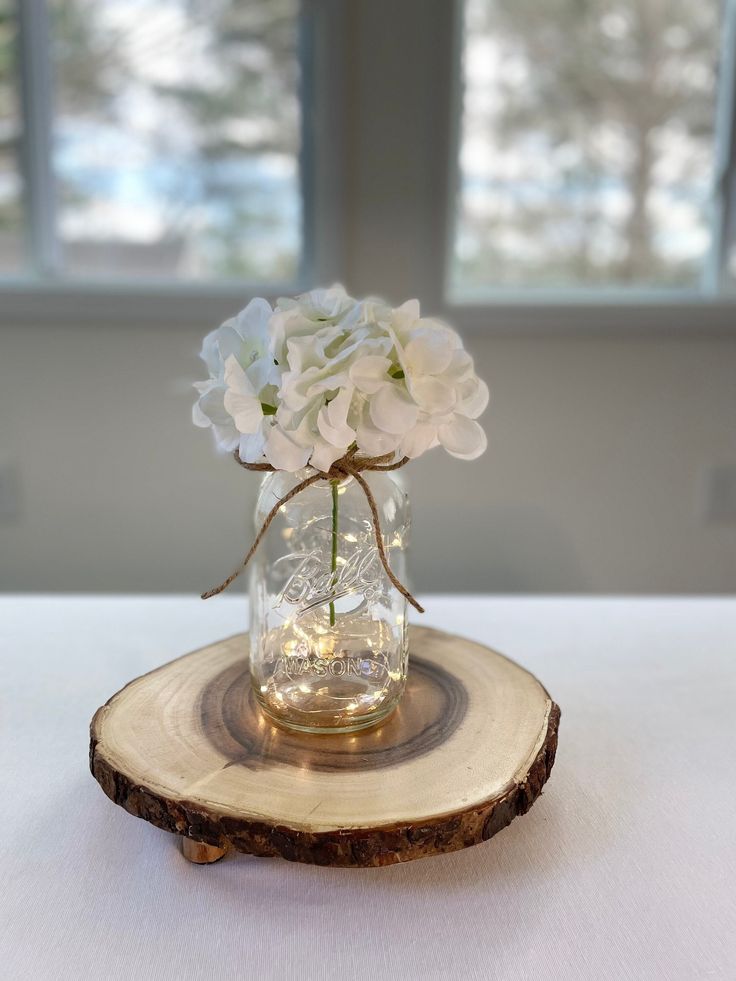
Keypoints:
pixel 359 667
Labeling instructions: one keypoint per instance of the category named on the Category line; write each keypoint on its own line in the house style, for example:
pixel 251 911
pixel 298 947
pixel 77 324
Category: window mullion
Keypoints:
pixel 715 276
pixel 398 134
pixel 324 67
pixel 36 92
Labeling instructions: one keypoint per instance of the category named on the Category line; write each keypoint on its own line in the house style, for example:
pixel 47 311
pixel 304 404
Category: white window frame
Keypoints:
pixel 382 194
pixel 43 296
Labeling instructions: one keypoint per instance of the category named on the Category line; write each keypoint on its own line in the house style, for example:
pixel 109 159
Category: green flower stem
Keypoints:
pixel 334 546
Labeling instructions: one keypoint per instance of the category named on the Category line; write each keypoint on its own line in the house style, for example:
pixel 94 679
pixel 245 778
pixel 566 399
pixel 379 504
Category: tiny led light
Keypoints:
pixel 326 644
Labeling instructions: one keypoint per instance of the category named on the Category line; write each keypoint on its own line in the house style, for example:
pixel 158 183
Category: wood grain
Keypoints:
pixel 469 748
pixel 199 853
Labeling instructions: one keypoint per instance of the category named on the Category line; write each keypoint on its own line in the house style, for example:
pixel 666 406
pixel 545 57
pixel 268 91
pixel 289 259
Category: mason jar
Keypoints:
pixel 328 635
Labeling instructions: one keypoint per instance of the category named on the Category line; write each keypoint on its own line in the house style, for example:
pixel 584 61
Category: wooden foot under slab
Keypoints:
pixel 200 853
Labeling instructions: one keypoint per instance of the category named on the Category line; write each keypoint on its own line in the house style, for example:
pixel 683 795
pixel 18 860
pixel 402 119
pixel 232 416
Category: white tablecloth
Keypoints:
pixel 625 868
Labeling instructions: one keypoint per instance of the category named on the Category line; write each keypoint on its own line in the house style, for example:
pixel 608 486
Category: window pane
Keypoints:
pixel 587 144
pixel 176 138
pixel 12 251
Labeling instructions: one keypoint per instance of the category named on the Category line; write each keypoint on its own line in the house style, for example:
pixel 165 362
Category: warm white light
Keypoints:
pixel 326 644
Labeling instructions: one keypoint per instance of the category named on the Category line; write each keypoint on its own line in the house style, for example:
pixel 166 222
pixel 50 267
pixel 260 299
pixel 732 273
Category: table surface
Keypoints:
pixel 625 868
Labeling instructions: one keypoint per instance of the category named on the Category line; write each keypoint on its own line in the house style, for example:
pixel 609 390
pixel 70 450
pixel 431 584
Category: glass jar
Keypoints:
pixel 328 637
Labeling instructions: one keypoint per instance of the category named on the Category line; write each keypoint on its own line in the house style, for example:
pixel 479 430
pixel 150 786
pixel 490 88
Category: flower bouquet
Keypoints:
pixel 329 396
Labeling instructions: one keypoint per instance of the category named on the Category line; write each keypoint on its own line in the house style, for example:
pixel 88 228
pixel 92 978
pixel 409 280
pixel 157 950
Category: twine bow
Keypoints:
pixel 349 465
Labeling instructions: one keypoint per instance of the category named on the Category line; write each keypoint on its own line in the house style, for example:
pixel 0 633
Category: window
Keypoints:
pixel 153 140
pixel 530 165
pixel 11 185
pixel 591 139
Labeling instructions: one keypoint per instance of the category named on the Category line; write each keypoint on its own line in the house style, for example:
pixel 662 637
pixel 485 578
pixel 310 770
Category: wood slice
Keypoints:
pixel 468 749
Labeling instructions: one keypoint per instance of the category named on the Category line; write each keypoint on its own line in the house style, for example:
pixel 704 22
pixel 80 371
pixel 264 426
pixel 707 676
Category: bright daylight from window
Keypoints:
pixel 588 145
pixel 175 134
pixel 11 187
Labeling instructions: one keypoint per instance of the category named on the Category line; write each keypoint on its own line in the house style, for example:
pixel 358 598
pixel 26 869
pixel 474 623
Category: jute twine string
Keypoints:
pixel 349 465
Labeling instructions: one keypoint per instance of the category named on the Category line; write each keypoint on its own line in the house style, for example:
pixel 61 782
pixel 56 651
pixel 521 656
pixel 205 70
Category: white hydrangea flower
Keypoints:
pixel 441 381
pixel 240 361
pixel 304 383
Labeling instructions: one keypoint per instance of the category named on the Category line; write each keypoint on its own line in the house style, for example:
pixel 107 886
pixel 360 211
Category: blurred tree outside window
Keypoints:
pixel 175 139
pixel 588 145
pixel 165 141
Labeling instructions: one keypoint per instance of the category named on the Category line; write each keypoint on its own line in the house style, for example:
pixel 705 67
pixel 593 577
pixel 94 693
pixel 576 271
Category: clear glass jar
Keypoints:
pixel 328 636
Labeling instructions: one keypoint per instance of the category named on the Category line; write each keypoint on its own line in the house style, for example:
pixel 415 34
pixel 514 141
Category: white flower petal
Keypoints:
pixel 326 304
pixel 324 455
pixel 301 426
pixel 473 397
pixel 252 321
pixel 236 379
pixel 369 373
pixel 429 350
pixel 246 411
pixel 212 404
pixel 226 437
pixel 460 367
pixel 418 440
pixel 432 394
pixel 199 418
pixel 338 408
pixel 404 317
pixel 283 453
pixel 374 442
pixel 252 446
pixel 263 373
pixel 462 437
pixel 308 350
pixel 210 353
pixel 332 420
pixel 392 410
pixel 231 344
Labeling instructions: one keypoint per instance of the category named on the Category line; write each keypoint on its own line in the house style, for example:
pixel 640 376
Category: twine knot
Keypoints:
pixel 349 465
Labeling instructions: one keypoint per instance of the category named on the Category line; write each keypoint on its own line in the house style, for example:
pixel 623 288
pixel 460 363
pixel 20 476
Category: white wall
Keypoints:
pixel 591 481
pixel 597 443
